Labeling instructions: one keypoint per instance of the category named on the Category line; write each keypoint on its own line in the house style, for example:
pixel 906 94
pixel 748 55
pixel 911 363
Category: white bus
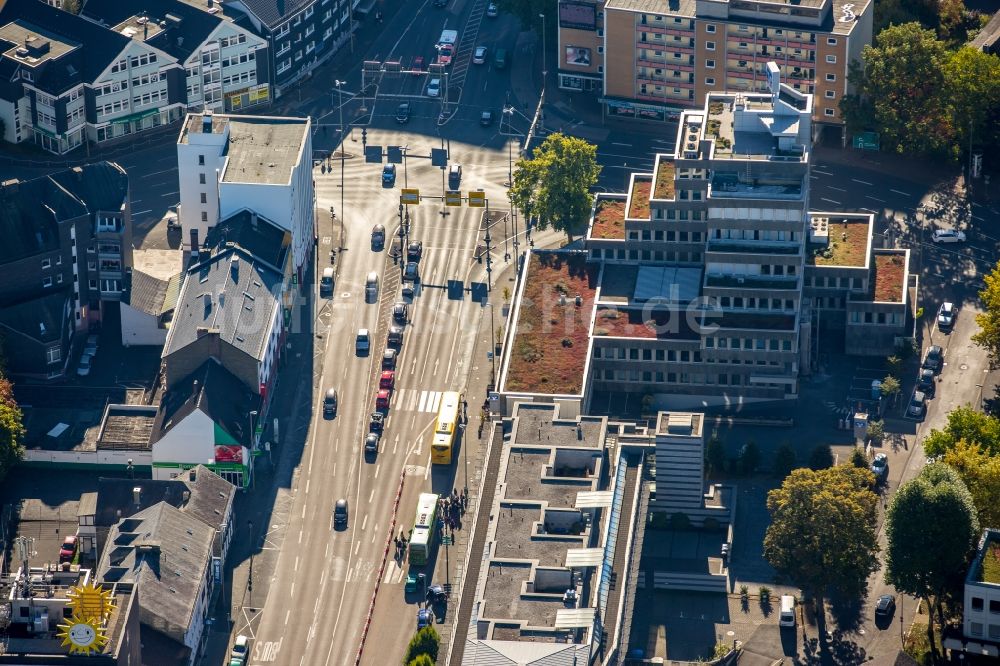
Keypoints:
pixel 424 528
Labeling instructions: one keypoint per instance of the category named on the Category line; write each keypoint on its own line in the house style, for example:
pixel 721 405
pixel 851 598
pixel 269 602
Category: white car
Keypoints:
pixel 479 56
pixel 240 650
pixel 948 236
pixel 946 315
pixel 90 347
pixel 85 364
pixel 434 88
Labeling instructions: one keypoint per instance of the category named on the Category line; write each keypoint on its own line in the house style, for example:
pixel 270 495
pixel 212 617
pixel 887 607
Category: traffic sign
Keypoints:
pixel 439 157
pixel 409 196
pixel 394 155
pixel 866 141
pixel 477 199
pixel 373 154
pixel 453 198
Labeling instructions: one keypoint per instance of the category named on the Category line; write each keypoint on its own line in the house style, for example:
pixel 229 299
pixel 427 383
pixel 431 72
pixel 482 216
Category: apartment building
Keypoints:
pixel 651 59
pixel 301 34
pixel 980 634
pixel 222 65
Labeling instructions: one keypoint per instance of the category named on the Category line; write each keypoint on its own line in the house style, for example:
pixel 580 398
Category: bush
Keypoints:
pixel 421 660
pixel 749 458
pixel 424 642
pixel 765 594
pixel 876 431
pixel 680 521
pixel 858 458
pixel 744 591
pixel 784 461
pixel 821 457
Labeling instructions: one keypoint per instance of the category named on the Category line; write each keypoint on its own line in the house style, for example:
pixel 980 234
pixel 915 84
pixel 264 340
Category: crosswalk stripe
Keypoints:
pixel 436 399
pixel 423 401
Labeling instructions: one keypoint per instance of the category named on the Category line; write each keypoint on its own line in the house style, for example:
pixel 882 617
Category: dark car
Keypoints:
pixel 933 359
pixel 378 236
pixel 885 606
pixel 454 176
pixel 486 118
pixel 399 312
pixel 925 382
pixel 389 174
pixel 330 403
pixel 371 442
pixel 491 10
pixel 340 513
pixel 918 404
pixel 880 467
pixel 424 618
pixel 414 251
pixel 395 338
pixel 389 359
pixel 412 272
pixel 403 113
pixel 377 422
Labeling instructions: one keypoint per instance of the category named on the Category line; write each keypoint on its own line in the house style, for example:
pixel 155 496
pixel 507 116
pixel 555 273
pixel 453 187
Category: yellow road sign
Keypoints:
pixel 409 196
pixel 477 199
pixel 453 198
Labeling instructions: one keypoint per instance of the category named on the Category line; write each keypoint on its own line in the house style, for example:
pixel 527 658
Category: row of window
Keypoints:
pixel 695 356
pixel 146 79
pixel 885 318
pixel 46 119
pixel 245 77
pixel 239 59
pixel 669 236
pixel 112 87
pixel 150 98
pixel 225 42
pixel 47 263
pixel 682 215
pixel 47 280
pixel 115 107
pixel 647 255
pixel 752 303
pixel 711 379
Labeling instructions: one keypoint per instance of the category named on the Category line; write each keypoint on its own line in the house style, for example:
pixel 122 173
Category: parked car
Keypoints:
pixel 425 618
pixel 885 606
pixel 90 346
pixel 330 403
pixel 880 467
pixel 918 404
pixel 387 381
pixel 479 55
pixel 486 118
pixel 934 358
pixel 326 282
pixel 389 359
pixel 403 113
pixel 946 316
pixel 371 442
pixel 83 368
pixel 948 236
pixel 414 251
pixel 500 58
pixel 389 175
pixel 68 549
pixel 926 383
pixel 378 236
pixel 395 337
pixel 454 176
pixel 399 312
pixel 491 10
pixel 445 54
pixel 241 650
pixel 434 88
pixel 412 272
pixel 382 399
pixel 340 513
pixel 362 344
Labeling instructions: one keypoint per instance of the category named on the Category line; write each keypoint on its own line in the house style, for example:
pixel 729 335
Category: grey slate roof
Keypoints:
pixel 254 233
pixel 989 36
pixel 273 12
pixel 42 319
pixel 216 392
pixel 167 553
pixel 232 293
pixel 151 294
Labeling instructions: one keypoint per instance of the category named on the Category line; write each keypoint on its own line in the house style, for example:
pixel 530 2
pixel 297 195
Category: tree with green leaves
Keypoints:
pixel 554 184
pixel 822 532
pixel 421 660
pixel 749 458
pixel 876 431
pixel 972 88
pixel 899 90
pixel 965 423
pixel 890 386
pixel 425 642
pixel 715 456
pixel 980 472
pixel 931 529
pixel 988 336
pixel 821 457
pixel 11 428
pixel 527 12
pixel 859 459
pixel 784 461
pixel 896 12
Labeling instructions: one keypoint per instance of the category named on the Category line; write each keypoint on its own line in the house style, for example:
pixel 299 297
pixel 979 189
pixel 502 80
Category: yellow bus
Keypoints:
pixel 445 427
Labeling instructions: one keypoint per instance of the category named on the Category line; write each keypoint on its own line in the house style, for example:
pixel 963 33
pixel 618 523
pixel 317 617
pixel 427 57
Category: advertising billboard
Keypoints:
pixel 578 56
pixel 577 15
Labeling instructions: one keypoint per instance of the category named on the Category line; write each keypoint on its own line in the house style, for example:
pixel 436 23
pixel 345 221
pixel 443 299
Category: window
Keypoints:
pixel 832 41
pixel 201 179
pixel 709 46
pixel 204 198
pixel 831 77
pixel 46 263
pixel 977 629
pixel 828 112
pixel 710 27
pixel 204 216
pixel 830 94
pixel 832 59
pixel 977 603
pixel 710 64
pixel 47 282
pixel 201 160
pixel 995 605
pixel 53 354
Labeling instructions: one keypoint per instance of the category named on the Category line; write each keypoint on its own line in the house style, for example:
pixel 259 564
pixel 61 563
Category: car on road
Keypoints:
pixel 918 404
pixel 445 53
pixel 340 513
pixel 414 251
pixel 403 113
pixel 241 650
pixel 926 383
pixel 440 3
pixel 371 442
pixel 412 272
pixel 500 58
pixel 389 359
pixel 377 422
pixel 363 343
pixel 326 282
pixel 425 618
pixel 934 358
pixel 68 548
pixel 491 10
pixel 378 236
pixel 86 363
pixel 382 398
pixel 880 467
pixel 371 286
pixel 948 236
pixel 330 403
pixel 389 175
pixel 90 346
pixel 946 316
pixel 885 606
pixel 395 336
pixel 387 380
pixel 399 312
pixel 479 55
pixel 486 118
pixel 418 64
pixel 454 176
pixel 434 88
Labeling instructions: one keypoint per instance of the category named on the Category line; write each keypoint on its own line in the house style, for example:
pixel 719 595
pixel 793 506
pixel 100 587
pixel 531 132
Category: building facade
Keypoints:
pixel 651 60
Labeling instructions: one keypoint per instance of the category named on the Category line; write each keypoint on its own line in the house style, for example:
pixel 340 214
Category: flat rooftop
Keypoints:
pixel 889 280
pixel 609 218
pixel 160 264
pixel 847 239
pixel 265 150
pixel 33 44
pixel 138 27
pixel 640 193
pixel 127 427
pixel 754 126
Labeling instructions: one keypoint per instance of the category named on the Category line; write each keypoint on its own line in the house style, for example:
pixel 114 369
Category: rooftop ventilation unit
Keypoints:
pixel 819 230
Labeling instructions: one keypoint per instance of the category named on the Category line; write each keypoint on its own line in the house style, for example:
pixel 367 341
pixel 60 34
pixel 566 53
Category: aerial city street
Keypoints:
pixel 468 332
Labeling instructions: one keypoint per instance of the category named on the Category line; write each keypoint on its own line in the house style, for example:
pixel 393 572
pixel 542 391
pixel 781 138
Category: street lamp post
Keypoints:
pixel 340 97
pixel 545 71
pixel 250 576
pixel 253 444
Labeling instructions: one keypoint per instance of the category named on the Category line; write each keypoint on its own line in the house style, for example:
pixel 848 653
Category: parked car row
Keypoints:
pixel 926 381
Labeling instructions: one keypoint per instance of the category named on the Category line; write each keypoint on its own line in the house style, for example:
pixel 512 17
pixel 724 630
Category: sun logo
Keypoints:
pixel 84 632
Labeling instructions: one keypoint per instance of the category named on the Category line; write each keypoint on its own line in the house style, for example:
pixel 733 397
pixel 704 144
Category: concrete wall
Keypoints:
pixel 189 176
pixel 190 441
pixel 101 458
pixel 139 328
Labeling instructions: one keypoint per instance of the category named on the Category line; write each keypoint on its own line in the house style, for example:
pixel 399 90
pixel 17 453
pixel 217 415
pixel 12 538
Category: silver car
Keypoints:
pixel 479 56
pixel 434 88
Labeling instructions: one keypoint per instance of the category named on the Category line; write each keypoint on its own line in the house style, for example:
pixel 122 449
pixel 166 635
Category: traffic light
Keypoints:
pixel 364 136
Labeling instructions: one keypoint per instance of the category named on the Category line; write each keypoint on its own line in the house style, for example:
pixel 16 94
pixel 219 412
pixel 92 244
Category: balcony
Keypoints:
pixel 751 282
pixel 731 245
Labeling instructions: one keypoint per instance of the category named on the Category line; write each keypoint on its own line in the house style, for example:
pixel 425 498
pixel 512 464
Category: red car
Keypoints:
pixel 68 549
pixel 388 380
pixel 382 399
pixel 418 65
pixel 444 54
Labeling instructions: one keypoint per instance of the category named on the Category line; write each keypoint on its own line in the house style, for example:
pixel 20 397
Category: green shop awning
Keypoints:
pixel 135 116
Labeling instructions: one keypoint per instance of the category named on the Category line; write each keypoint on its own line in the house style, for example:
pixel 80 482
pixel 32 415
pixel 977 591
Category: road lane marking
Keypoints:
pixel 287 614
pixel 169 194
pixel 364 523
pixel 335 469
pixel 303 511
pixel 377 467
pixel 830 200
pixel 375 533
pixel 814 177
pixel 863 182
pixel 157 173
pixel 437 361
pixel 300 536
pixel 615 143
pixel 870 210
pixel 143 212
pixel 435 402
pixel 291 590
pixel 296 563
pixel 307 486
pixel 874 198
pixel 898 192
pixel 357 545
pixel 371 495
pixel 825 173
pixel 839 189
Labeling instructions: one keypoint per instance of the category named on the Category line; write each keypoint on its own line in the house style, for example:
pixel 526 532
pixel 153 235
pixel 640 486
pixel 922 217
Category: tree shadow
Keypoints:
pixel 847 612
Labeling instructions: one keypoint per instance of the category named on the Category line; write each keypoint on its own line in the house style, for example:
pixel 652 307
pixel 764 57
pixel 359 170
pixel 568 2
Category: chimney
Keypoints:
pixel 579 431
pixel 136 494
pixel 206 122
pixel 186 495
pixel 10 187
pixel 194 386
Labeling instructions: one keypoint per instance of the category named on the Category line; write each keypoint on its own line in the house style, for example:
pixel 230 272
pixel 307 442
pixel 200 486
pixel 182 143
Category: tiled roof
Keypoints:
pixel 273 12
pixel 254 233
pixel 42 318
